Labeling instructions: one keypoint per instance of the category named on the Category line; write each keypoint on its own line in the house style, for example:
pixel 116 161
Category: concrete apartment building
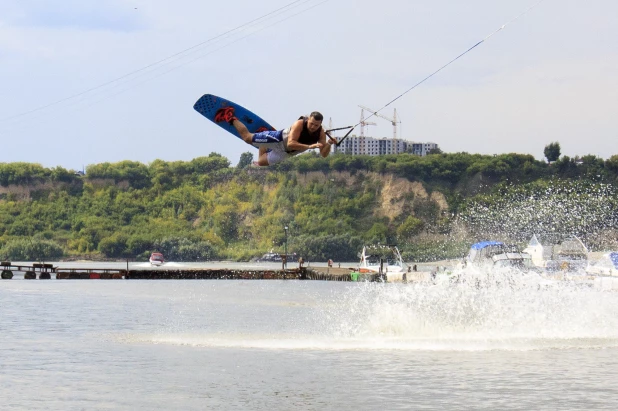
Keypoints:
pixel 356 145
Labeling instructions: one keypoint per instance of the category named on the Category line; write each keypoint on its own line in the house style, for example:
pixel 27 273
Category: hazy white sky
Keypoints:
pixel 552 75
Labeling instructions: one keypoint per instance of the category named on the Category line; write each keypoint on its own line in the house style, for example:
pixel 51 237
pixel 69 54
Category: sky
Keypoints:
pixel 85 82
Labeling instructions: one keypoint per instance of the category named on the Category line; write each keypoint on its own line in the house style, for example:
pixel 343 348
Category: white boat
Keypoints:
pixel 604 272
pixel 270 257
pixel 493 263
pixel 555 252
pixel 606 266
pixel 156 259
pixel 382 259
pixel 496 254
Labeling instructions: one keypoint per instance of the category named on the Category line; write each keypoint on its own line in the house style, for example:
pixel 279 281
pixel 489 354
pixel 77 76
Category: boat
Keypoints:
pixel 382 259
pixel 494 263
pixel 271 257
pixel 156 259
pixel 604 272
pixel 496 254
pixel 556 252
pixel 606 266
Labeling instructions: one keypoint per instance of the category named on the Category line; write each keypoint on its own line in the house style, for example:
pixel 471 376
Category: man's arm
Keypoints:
pixel 294 144
pixel 325 149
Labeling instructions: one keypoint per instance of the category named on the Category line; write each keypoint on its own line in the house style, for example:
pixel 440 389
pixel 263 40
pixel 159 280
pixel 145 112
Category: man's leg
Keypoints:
pixel 245 134
pixel 263 157
pixel 226 114
pixel 275 154
pixel 255 139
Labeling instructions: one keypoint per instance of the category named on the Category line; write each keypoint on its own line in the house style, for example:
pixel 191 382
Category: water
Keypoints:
pixel 281 345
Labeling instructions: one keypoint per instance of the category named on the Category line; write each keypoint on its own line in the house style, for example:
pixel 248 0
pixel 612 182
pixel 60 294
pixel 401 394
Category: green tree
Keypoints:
pixel 185 249
pixel 226 220
pixel 339 248
pixel 411 227
pixel 552 152
pixel 378 233
pixel 113 246
pixel 612 164
pixel 26 249
pixel 213 162
pixel 246 159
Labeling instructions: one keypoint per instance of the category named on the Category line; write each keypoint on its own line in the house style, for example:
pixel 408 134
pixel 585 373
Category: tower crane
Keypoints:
pixel 330 127
pixel 393 121
pixel 364 123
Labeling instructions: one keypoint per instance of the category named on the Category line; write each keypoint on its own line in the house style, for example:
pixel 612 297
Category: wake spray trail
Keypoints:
pixel 513 312
pixel 507 311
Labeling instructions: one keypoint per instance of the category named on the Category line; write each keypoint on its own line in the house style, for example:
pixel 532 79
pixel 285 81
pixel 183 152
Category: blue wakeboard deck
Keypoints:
pixel 208 105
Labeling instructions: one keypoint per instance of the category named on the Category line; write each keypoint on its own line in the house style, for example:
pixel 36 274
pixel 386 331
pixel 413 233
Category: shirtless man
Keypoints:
pixel 275 146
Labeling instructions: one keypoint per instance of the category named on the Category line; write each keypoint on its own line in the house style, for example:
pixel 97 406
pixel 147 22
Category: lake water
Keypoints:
pixel 310 345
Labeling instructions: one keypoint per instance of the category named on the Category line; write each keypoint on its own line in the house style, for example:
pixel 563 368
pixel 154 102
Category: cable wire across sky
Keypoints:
pixel 374 113
pixel 137 77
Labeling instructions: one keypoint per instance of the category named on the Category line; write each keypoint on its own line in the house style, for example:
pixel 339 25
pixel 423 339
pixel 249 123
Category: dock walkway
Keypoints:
pixel 46 271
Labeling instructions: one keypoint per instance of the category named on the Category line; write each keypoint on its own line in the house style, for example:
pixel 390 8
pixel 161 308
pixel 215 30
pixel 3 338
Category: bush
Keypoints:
pixel 113 246
pixel 336 247
pixel 184 249
pixel 23 249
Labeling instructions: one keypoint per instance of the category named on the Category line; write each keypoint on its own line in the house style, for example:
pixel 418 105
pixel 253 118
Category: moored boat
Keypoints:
pixel 555 252
pixel 496 254
pixel 271 257
pixel 382 259
pixel 156 259
pixel 606 266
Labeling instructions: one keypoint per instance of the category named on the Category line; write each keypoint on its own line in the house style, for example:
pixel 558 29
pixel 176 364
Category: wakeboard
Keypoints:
pixel 208 105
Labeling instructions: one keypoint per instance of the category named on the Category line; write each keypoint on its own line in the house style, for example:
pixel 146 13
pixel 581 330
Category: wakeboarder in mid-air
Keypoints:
pixel 304 134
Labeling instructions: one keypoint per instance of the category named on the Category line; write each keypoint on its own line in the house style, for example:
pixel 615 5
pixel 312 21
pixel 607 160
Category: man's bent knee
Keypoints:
pixel 247 137
pixel 263 159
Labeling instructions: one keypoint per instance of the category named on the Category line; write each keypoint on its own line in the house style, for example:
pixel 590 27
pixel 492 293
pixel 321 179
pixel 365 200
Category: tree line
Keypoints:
pixel 207 209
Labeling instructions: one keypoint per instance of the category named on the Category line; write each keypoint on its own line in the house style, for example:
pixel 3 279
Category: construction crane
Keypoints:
pixel 364 123
pixel 393 121
pixel 330 127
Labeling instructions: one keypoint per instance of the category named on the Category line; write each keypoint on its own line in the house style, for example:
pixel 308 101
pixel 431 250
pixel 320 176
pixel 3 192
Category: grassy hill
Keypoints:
pixel 203 209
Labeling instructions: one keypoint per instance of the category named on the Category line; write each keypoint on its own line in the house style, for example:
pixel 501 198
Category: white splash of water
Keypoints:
pixel 508 312
pixel 587 210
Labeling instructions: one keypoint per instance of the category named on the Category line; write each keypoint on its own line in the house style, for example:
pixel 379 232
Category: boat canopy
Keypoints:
pixel 614 258
pixel 483 244
pixel 479 251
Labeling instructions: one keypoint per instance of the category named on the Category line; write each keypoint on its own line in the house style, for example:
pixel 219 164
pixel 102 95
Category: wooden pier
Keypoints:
pixel 228 274
pixel 213 274
pixel 45 271
pixel 90 274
